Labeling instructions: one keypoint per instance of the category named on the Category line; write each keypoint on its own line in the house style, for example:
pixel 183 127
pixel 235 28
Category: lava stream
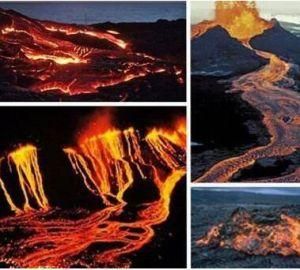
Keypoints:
pixel 268 91
pixel 277 104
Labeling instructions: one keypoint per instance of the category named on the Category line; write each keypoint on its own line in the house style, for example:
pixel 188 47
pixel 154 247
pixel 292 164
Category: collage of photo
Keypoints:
pixel 150 134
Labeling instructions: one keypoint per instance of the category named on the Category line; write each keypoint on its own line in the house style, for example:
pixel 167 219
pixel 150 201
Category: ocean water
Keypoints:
pixel 98 12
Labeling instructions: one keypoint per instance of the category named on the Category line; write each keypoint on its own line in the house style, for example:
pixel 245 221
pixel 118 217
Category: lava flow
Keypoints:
pixel 246 233
pixel 72 59
pixel 268 90
pixel 110 161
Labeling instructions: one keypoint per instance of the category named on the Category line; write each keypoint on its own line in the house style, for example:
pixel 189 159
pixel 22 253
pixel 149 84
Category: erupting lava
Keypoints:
pixel 268 90
pixel 109 161
pixel 244 234
pixel 240 18
pixel 48 56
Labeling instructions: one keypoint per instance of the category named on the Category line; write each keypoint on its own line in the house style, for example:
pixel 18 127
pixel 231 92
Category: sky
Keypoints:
pixel 97 12
pixel 261 190
pixel 284 11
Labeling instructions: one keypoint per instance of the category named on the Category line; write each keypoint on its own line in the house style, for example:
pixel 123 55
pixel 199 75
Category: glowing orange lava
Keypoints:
pixel 280 237
pixel 25 161
pixel 50 56
pixel 109 161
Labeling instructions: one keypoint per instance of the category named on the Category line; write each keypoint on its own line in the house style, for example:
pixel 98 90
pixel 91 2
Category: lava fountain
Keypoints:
pixel 71 59
pixel 267 89
pixel 109 161
pixel 240 18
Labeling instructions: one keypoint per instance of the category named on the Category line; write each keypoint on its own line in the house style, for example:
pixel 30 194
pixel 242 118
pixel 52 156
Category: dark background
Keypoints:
pixel 53 128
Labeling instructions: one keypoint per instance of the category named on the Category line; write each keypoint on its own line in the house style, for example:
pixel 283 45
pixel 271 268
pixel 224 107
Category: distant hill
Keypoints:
pixel 229 197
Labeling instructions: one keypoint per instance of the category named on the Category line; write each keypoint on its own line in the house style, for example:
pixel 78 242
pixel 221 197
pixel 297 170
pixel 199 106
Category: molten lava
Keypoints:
pixel 72 59
pixel 107 161
pixel 267 90
pixel 243 233
pixel 240 18
pixel 110 161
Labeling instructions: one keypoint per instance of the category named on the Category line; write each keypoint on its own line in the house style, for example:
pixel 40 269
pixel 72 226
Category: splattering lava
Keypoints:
pixel 109 161
pixel 71 59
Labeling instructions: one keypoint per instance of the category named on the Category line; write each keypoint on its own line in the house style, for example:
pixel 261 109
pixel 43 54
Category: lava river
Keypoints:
pixel 267 90
pixel 109 162
pixel 71 59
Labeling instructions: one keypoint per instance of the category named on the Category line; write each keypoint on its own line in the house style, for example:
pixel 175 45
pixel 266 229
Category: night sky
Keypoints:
pixel 98 12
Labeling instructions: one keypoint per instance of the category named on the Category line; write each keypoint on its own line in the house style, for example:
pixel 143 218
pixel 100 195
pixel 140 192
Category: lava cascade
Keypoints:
pixel 24 161
pixel 243 233
pixel 72 59
pixel 109 163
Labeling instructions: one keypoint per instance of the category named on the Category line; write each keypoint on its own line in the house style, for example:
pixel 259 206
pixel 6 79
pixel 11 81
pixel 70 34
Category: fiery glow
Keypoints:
pixel 109 161
pixel 89 31
pixel 240 18
pixel 58 59
pixel 106 153
pixel 52 57
pixel 281 237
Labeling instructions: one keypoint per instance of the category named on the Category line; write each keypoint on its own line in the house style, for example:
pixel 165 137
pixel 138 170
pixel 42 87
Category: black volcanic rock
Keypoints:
pixel 278 41
pixel 216 53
